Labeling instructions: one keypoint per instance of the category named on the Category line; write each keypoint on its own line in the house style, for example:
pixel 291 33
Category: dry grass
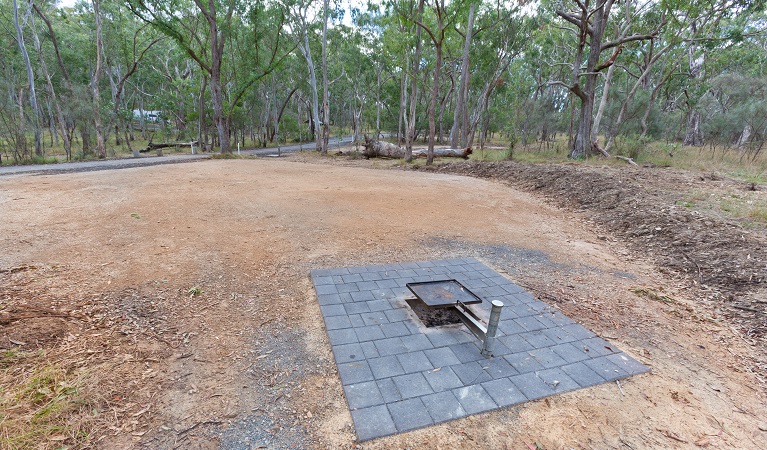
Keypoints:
pixel 46 404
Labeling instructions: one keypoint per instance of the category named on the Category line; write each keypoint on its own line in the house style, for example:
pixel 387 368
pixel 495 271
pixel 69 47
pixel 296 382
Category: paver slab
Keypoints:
pixel 399 375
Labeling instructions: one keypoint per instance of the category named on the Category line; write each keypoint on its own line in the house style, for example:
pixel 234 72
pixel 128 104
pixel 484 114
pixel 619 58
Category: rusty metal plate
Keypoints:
pixel 443 293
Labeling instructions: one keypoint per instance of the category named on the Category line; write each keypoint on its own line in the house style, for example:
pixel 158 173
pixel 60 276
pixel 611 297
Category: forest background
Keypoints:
pixel 102 78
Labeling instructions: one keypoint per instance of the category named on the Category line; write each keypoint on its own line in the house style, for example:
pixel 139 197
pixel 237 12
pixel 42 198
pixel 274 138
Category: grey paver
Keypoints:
pixel 362 296
pixel 547 357
pixel 356 320
pixel 558 379
pixel 504 392
pixel 385 367
pixel 498 368
pixel 386 284
pixel 412 385
pixel 628 364
pixel 388 390
pixel 362 395
pixel 354 372
pixel 577 331
pixel 605 368
pixel 333 310
pixel 326 289
pixel 599 347
pixel 373 422
pixel 414 362
pixel 443 406
pixel 383 294
pixel 369 349
pixel 395 329
pixel 337 322
pixel 530 323
pixel 368 333
pixel 468 351
pixel 538 339
pixel 409 414
pixel 570 353
pixel 356 308
pixel 442 379
pixel 515 343
pixel 523 362
pixel 347 288
pixel 343 336
pixel 442 337
pixel 397 315
pixel 390 346
pixel 474 399
pixel 510 326
pixel 441 357
pixel 348 352
pixel 379 305
pixel 374 318
pixel 532 386
pixel 329 299
pixel 416 342
pixel 471 373
pixel 399 375
pixel 582 374
pixel 351 278
pixel 366 285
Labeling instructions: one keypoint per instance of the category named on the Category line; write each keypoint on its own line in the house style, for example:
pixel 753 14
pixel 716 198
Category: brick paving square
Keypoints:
pixel 399 375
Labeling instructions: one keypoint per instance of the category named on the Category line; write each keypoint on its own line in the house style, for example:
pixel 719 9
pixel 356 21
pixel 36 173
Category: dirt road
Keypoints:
pixel 180 295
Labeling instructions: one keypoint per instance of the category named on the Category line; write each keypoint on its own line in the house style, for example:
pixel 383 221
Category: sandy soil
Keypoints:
pixel 184 293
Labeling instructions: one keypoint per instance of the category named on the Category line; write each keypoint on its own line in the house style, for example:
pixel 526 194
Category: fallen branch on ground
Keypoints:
pixel 382 149
pixel 152 146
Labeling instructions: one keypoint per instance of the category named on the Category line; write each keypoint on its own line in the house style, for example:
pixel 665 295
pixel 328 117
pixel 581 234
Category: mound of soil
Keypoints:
pixel 725 261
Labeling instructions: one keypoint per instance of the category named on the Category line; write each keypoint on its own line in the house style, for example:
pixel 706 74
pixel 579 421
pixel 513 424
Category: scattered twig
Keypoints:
pixel 205 422
pixel 210 305
pixel 618 382
pixel 18 269
pixel 700 275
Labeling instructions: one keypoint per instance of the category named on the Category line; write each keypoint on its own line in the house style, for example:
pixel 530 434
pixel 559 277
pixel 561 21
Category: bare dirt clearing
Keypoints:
pixel 178 298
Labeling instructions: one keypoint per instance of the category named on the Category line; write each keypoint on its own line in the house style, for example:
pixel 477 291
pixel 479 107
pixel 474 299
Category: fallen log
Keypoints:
pixel 382 149
pixel 159 147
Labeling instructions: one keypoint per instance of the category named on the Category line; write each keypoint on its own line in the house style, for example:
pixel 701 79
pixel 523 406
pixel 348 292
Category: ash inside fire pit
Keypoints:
pixel 433 317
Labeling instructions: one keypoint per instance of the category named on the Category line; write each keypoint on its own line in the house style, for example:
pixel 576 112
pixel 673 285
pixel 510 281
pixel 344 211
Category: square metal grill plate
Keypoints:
pixel 443 293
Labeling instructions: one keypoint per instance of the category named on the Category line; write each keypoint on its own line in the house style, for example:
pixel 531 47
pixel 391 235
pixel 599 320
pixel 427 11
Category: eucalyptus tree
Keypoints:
pixel 459 132
pixel 19 22
pixel 588 20
pixel 301 25
pixel 444 17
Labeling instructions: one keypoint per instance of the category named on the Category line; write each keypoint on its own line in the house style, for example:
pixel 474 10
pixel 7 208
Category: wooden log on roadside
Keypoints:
pixel 158 147
pixel 382 149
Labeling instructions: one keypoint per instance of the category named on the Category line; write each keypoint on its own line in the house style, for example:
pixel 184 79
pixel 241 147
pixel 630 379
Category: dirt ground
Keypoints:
pixel 179 298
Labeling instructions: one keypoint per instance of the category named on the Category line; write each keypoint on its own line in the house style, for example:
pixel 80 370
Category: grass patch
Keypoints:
pixel 226 156
pixel 43 405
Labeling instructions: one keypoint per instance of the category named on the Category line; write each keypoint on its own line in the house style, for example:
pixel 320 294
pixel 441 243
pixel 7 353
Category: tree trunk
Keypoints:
pixel 325 81
pixel 602 104
pixel 433 103
pixel 201 134
pixel 62 128
pixel 460 130
pixel 402 106
pixel 101 150
pixel 693 135
pixel 217 41
pixel 410 134
pixel 744 137
pixel 30 80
